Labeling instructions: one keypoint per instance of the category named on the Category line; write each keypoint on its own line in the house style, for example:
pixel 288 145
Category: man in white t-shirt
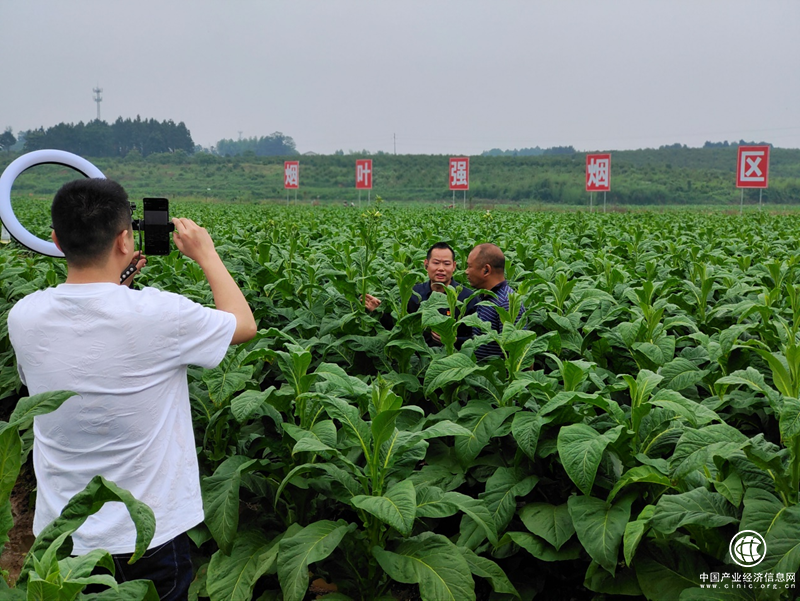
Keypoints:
pixel 125 352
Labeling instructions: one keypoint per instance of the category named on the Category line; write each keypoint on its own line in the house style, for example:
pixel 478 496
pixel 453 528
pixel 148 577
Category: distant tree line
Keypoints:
pixel 99 139
pixel 726 144
pixel 275 144
pixel 529 152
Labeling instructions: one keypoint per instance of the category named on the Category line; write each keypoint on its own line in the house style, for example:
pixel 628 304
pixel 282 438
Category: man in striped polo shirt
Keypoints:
pixel 486 270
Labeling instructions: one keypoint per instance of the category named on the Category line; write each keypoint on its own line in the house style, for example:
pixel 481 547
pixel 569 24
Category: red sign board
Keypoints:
pixel 364 174
pixel 598 172
pixel 752 167
pixel 459 173
pixel 291 174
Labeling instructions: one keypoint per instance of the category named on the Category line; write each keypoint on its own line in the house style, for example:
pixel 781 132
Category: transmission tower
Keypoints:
pixel 98 99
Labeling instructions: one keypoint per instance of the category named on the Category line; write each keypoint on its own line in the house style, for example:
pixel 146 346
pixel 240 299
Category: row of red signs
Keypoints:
pixel 752 171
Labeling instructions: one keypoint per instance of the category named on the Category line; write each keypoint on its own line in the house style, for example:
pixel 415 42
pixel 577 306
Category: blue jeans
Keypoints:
pixel 169 566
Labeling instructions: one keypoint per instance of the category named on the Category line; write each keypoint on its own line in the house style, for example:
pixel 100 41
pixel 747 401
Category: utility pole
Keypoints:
pixel 395 143
pixel 98 99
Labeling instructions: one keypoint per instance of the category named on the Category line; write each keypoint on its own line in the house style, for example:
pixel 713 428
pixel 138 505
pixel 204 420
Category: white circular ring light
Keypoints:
pixel 26 161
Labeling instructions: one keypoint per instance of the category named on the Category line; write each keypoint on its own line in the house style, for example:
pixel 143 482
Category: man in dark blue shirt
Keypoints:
pixel 486 270
pixel 440 263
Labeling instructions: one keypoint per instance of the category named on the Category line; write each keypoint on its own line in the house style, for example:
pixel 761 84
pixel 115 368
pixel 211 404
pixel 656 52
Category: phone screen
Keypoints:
pixel 156 226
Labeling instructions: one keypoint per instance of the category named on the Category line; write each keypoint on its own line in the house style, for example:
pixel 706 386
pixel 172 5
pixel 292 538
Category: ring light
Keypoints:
pixel 26 161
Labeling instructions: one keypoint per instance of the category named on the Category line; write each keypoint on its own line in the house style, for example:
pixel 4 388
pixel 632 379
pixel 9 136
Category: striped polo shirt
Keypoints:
pixel 489 313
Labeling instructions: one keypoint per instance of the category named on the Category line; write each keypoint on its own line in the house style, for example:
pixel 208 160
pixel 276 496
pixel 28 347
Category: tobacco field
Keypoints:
pixel 646 409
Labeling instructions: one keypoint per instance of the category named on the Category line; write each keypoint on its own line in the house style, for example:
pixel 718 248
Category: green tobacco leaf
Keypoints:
pixel 502 489
pixel 11 594
pixel 221 499
pixel 580 449
pixel 551 522
pixel 622 583
pixel 681 373
pixel 483 421
pixel 525 429
pixel 652 352
pixel 10 461
pixel 731 488
pixel 486 568
pixel 334 380
pixel 446 370
pixel 540 549
pixel 698 506
pixel 398 507
pixel 790 418
pixel 227 379
pixel 634 531
pixel 750 377
pixel 760 510
pixel 313 543
pixel 133 590
pixel 6 524
pixel 431 503
pixel 664 583
pixel 693 448
pixel 778 524
pixel 97 493
pixel 233 577
pixel 444 428
pixel 350 418
pixel 82 566
pixel 243 406
pixel 477 511
pixel 641 388
pixel 693 412
pixel 39 404
pixel 781 374
pixel 600 526
pixel 434 563
pixel 642 473
pixel 321 436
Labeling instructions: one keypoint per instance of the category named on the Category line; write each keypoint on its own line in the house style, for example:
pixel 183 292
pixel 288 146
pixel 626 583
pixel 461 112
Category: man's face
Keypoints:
pixel 440 266
pixel 474 270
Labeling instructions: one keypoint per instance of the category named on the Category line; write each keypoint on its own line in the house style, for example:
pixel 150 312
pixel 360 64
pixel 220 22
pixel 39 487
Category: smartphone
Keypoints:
pixel 157 226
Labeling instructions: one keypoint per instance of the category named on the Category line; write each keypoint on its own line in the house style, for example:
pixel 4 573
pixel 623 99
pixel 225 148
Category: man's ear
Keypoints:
pixel 55 240
pixel 123 242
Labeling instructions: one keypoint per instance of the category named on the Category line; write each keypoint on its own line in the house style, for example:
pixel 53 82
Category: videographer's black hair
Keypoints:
pixel 87 215
pixel 441 246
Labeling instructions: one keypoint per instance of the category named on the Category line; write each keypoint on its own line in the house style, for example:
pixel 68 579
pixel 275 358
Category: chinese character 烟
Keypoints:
pixel 598 172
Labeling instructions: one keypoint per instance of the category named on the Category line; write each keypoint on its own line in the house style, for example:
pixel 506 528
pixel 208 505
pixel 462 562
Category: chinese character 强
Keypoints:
pixel 459 173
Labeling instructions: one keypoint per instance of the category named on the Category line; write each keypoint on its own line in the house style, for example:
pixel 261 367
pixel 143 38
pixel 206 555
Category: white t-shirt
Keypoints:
pixel 125 352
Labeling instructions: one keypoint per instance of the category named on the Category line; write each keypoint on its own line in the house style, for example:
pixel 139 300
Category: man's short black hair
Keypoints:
pixel 87 215
pixel 441 246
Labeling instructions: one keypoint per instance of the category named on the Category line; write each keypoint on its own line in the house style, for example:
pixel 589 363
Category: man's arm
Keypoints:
pixel 195 242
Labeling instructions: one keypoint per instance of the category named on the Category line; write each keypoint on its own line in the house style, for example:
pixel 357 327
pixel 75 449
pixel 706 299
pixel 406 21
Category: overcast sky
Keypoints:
pixel 445 77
